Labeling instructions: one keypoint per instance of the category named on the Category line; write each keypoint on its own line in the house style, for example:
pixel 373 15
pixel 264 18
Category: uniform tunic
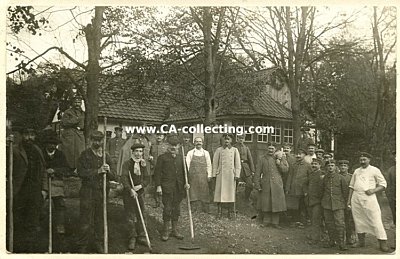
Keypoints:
pixel 226 166
pixel 296 183
pixel 72 138
pixel 199 166
pixel 246 163
pixel 156 150
pixel 365 208
pixel 268 179
pixel 113 148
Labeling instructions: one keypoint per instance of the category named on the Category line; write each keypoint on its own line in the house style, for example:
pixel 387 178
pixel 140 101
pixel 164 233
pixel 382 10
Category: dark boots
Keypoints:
pixel 165 232
pixel 175 232
pixel 383 245
pixel 361 240
pixel 219 211
pixel 340 240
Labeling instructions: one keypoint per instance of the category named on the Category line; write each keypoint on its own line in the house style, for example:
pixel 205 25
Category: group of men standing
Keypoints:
pixel 310 185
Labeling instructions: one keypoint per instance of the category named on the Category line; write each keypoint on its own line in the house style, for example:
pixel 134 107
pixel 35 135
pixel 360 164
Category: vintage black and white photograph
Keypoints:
pixel 230 130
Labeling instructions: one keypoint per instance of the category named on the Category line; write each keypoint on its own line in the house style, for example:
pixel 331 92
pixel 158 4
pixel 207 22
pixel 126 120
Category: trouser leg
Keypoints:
pixel 59 213
pixel 86 218
pixel 330 225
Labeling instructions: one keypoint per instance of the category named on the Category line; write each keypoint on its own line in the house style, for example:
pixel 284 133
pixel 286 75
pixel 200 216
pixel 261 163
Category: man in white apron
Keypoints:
pixel 198 162
pixel 365 182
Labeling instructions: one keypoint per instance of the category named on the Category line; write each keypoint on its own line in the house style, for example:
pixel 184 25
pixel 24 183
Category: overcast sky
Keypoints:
pixel 64 28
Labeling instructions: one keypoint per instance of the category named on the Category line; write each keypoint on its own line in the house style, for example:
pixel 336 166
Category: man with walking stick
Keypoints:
pixel 29 183
pixel 91 169
pixel 56 168
pixel 169 177
pixel 134 180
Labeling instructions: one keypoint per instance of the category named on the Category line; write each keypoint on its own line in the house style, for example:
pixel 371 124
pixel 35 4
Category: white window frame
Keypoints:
pixel 286 138
pixel 274 135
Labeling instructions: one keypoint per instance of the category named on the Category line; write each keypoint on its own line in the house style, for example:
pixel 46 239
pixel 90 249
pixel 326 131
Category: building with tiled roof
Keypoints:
pixel 270 108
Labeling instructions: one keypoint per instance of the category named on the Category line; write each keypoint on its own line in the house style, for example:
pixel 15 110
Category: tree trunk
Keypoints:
pixel 93 38
pixel 210 84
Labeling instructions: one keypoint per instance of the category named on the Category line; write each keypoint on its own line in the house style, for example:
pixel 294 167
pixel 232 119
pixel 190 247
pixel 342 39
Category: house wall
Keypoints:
pixel 282 95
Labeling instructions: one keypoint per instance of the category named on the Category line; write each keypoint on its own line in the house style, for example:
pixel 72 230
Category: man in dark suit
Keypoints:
pixel 29 185
pixel 169 177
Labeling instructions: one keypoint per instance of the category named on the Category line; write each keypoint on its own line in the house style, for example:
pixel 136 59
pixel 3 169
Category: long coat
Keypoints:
pixel 72 138
pixel 59 164
pixel 38 179
pixel 295 184
pixel 226 166
pixel 268 178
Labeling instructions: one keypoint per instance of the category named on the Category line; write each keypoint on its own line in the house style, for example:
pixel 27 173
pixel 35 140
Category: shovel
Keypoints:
pixel 192 246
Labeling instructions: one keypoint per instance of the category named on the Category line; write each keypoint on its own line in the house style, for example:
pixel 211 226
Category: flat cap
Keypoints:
pixel 317 160
pixel 319 150
pixel 173 141
pixel 118 128
pixel 227 135
pixel 365 154
pixel 301 150
pixel 305 129
pixel 331 161
pixel 137 145
pixel 311 145
pixel 343 162
pixel 97 135
pixel 328 155
pixel 286 144
pixel 50 137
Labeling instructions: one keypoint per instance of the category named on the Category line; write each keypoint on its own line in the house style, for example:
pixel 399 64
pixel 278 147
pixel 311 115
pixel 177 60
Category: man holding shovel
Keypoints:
pixel 91 169
pixel 169 177
pixel 133 179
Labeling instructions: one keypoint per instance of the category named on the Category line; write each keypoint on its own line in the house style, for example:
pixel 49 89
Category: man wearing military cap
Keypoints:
pixel 187 143
pixel 365 182
pixel 287 148
pixel 296 180
pixel 320 153
pixel 134 172
pixel 348 217
pixel 91 170
pixel 30 185
pixel 57 168
pixel 169 177
pixel 304 139
pixel 268 181
pixel 157 149
pixel 334 194
pixel 312 194
pixel 114 146
pixel 72 138
pixel 226 169
pixel 248 169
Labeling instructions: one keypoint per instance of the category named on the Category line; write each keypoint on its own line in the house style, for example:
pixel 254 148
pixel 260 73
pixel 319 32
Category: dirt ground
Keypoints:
pixel 224 236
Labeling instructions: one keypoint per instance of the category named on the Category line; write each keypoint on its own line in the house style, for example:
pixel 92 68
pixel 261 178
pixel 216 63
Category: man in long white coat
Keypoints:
pixel 226 168
pixel 365 182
